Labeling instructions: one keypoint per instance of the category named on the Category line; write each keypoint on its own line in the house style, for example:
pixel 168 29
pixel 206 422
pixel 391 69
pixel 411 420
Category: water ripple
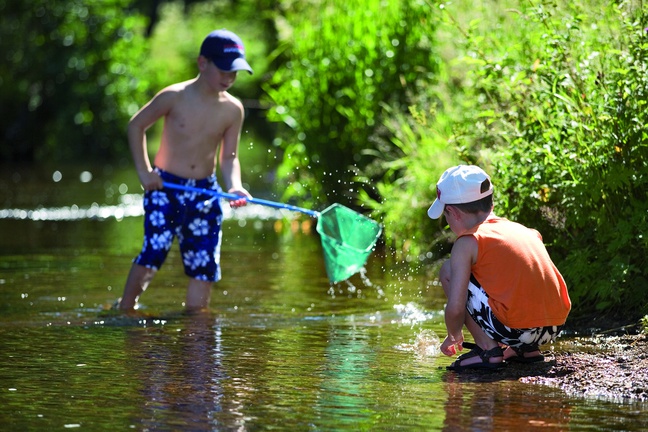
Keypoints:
pixel 130 206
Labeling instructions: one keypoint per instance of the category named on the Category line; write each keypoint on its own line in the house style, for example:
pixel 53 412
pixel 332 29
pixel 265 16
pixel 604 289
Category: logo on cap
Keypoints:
pixel 234 48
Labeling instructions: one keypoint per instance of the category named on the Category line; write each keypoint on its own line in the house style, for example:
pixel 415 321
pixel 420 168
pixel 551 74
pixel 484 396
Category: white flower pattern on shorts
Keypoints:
pixel 171 214
pixel 157 218
pixel 162 241
pixel 195 259
pixel 159 198
pixel 199 227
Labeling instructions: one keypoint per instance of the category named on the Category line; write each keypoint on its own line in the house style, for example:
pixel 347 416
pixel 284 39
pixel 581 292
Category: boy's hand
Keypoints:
pixel 239 202
pixel 450 345
pixel 150 180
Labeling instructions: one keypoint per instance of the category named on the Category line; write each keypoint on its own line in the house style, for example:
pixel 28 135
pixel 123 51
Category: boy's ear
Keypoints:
pixel 202 63
pixel 454 211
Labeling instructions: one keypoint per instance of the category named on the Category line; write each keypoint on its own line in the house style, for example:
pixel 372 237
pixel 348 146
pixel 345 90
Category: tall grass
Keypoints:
pixel 553 105
pixel 340 63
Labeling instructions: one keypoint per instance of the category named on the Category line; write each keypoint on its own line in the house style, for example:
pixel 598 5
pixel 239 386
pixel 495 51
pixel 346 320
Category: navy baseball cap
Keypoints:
pixel 225 50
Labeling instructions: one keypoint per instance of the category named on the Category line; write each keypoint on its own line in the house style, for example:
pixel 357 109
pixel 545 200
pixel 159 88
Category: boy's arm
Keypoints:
pixel 157 108
pixel 463 255
pixel 228 159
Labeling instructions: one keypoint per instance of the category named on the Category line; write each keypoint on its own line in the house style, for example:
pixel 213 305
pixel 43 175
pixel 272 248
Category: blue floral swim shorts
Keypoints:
pixel 171 213
pixel 524 340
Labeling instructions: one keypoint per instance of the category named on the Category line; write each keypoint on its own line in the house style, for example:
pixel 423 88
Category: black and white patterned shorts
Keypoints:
pixel 522 340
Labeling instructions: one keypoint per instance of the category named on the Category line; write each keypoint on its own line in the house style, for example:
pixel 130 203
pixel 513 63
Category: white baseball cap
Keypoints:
pixel 459 185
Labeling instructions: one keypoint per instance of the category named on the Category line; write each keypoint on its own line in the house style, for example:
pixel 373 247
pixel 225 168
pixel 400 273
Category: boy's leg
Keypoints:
pixel 138 280
pixel 198 295
pixel 510 353
pixel 481 338
pixel 200 245
pixel 158 237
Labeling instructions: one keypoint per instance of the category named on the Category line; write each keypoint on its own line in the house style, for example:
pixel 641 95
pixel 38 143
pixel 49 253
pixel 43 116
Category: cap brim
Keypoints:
pixel 436 209
pixel 237 64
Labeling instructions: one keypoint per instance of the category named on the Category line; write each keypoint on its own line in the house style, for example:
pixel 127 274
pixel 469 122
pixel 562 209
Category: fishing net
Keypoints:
pixel 348 238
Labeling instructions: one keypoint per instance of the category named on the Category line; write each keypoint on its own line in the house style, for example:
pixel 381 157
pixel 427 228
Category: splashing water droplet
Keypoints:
pixel 427 344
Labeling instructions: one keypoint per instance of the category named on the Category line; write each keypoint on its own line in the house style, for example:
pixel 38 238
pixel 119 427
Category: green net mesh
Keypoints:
pixel 348 239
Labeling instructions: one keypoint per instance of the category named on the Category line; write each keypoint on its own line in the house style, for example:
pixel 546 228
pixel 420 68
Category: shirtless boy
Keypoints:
pixel 202 121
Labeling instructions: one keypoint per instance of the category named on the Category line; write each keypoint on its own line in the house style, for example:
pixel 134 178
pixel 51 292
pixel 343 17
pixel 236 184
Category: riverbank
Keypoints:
pixel 607 367
pixel 602 366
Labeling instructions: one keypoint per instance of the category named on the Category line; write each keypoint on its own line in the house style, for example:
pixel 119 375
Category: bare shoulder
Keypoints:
pixel 165 100
pixel 232 101
pixel 174 90
pixel 466 242
pixel 465 248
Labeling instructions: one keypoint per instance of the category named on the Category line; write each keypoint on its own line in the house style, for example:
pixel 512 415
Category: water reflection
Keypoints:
pixel 349 358
pixel 181 376
pixel 282 349
pixel 130 205
pixel 493 406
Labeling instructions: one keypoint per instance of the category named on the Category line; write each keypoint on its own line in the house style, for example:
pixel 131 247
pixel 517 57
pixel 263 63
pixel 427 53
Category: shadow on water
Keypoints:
pixel 280 349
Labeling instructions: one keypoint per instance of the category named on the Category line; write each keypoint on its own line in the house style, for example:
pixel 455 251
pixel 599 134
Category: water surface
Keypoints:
pixel 281 349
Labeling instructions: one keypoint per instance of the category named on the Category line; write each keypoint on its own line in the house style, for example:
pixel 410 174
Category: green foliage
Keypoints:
pixel 409 163
pixel 550 98
pixel 175 42
pixel 561 116
pixel 67 79
pixel 340 62
pixel 75 71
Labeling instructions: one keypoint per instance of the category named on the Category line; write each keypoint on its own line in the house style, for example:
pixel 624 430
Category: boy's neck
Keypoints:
pixel 472 220
pixel 204 88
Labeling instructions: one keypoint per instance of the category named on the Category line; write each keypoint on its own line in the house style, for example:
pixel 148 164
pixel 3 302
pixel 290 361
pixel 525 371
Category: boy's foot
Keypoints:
pixel 115 310
pixel 477 358
pixel 515 356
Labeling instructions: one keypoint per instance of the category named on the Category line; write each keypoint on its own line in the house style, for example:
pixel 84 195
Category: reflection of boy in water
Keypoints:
pixel 500 281
pixel 182 375
pixel 200 119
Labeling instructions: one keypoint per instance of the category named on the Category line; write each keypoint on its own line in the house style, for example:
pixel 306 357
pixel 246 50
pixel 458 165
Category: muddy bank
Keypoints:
pixel 602 366
pixel 608 367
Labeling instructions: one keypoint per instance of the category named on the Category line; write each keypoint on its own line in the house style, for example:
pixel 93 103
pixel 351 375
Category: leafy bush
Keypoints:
pixel 550 98
pixel 340 62
pixel 577 164
pixel 67 81
pixel 409 163
pixel 558 118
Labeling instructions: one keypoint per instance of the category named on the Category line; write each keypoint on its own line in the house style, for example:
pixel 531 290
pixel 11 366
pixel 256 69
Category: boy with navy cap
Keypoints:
pixel 202 124
pixel 500 281
pixel 225 50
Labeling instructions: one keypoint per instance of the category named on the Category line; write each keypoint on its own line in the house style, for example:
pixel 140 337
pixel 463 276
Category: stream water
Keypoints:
pixel 281 349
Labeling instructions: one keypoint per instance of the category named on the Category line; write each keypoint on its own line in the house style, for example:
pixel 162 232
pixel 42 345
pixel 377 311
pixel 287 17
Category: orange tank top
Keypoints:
pixel 513 266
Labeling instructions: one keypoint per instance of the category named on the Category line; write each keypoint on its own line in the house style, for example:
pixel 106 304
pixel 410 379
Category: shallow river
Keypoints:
pixel 281 349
